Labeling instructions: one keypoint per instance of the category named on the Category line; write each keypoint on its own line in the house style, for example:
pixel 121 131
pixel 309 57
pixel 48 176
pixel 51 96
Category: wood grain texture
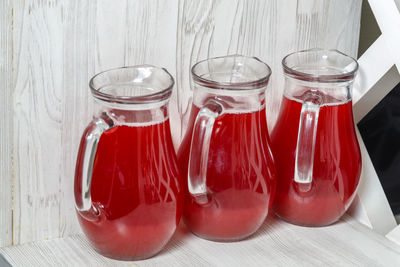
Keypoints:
pixel 37 107
pixel 80 53
pixel 346 243
pixel 57 45
pixel 6 117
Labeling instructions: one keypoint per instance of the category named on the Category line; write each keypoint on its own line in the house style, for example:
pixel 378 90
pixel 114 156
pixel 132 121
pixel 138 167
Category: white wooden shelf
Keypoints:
pixel 346 243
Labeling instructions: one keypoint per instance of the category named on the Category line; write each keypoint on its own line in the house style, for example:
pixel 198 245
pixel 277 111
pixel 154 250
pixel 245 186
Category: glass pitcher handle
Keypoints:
pixel 306 137
pixel 199 148
pixel 84 167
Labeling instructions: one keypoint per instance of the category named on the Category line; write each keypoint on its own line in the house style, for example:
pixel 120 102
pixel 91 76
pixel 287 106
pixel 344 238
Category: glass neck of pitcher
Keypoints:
pixel 237 83
pixel 133 96
pixel 133 115
pixel 326 74
pixel 332 92
pixel 233 102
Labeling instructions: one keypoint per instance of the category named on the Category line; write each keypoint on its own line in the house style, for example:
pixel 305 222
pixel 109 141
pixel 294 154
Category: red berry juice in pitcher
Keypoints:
pixel 137 193
pixel 337 163
pixel 240 177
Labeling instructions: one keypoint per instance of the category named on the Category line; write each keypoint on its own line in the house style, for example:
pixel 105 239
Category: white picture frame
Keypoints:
pixel 378 75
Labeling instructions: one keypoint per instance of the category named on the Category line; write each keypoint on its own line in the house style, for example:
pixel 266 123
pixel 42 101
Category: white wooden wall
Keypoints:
pixel 51 48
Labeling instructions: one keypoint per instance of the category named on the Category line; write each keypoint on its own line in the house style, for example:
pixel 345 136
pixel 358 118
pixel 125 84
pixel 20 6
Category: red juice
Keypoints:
pixel 240 177
pixel 135 182
pixel 337 163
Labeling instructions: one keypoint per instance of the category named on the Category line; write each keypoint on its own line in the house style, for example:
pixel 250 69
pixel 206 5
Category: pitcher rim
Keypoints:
pixel 255 84
pixel 324 78
pixel 155 97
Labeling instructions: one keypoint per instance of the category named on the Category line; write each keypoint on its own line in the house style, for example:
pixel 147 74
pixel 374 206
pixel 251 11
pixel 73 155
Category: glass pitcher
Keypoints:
pixel 314 141
pixel 127 189
pixel 225 156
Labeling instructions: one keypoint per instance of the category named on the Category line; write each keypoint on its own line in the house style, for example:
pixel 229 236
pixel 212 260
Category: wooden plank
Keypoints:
pixel 38 122
pixel 194 25
pixel 346 243
pixel 138 32
pixel 75 250
pixel 80 53
pixel 150 38
pixel 6 90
